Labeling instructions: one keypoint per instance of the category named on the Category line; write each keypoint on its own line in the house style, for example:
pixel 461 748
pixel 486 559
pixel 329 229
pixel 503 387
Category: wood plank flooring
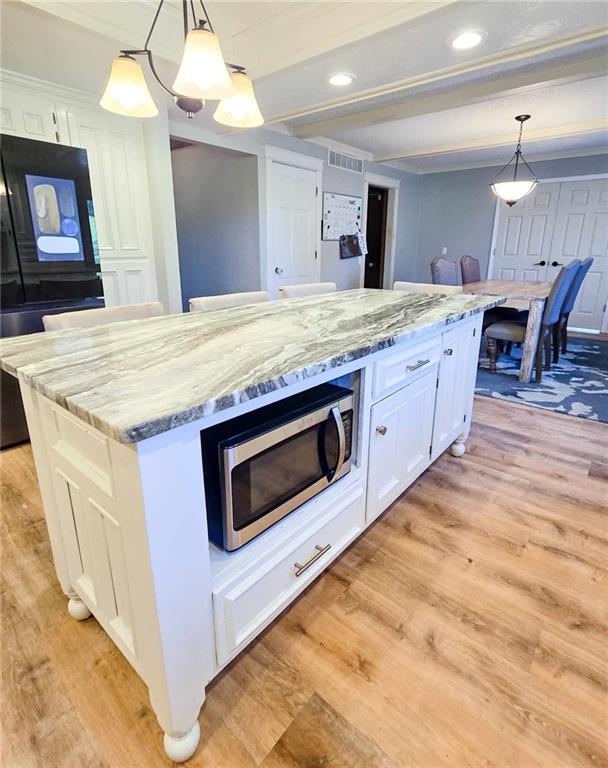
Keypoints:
pixel 467 628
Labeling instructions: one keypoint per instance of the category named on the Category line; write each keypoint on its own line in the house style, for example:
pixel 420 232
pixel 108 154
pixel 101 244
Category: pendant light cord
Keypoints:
pixel 517 156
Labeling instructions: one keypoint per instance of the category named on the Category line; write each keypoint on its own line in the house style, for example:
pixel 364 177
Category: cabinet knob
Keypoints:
pixel 449 351
pixel 278 271
pixel 382 430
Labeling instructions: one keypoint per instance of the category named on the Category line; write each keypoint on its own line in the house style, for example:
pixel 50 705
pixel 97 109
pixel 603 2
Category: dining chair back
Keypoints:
pixel 444 271
pixel 561 337
pixel 470 270
pixel 559 289
pixel 306 289
pixel 513 331
pixel 87 318
pixel 226 300
pixel 426 287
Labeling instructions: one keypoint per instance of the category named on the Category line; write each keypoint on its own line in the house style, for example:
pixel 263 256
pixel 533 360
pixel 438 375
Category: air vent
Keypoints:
pixel 345 162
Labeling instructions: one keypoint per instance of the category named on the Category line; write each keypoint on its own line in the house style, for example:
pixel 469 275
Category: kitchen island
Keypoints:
pixel 116 413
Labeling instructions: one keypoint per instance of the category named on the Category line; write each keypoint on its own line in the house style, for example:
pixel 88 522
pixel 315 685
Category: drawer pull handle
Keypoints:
pixel 319 553
pixel 449 351
pixel 419 364
pixel 382 430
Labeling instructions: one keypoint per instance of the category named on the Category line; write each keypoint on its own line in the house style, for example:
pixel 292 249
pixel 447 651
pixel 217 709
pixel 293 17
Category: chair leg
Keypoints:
pixel 556 341
pixel 509 347
pixel 492 353
pixel 539 359
pixel 564 333
pixel 547 346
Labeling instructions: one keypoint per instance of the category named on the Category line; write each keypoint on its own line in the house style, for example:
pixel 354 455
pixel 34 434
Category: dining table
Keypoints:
pixel 522 295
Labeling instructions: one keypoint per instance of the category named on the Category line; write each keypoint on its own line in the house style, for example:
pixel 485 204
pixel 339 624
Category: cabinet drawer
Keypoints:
pixel 244 607
pixel 402 367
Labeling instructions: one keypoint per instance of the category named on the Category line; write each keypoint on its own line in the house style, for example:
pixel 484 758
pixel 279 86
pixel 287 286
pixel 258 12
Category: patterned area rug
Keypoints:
pixel 577 385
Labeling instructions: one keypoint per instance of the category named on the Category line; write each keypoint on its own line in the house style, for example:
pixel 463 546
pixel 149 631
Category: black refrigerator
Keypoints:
pixel 49 259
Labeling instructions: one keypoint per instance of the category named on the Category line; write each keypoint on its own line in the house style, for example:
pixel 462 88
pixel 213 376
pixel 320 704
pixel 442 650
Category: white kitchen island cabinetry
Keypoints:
pixel 116 414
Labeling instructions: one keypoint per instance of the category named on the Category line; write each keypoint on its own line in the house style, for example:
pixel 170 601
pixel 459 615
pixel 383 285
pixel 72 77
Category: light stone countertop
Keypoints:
pixel 136 379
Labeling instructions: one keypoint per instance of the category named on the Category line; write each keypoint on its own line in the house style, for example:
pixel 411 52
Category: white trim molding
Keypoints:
pixel 392 215
pixel 288 157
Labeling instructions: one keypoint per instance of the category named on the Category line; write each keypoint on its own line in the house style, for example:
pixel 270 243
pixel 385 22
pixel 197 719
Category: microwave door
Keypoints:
pixel 328 448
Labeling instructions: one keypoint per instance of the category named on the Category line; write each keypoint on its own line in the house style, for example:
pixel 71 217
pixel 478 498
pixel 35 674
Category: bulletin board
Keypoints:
pixel 341 215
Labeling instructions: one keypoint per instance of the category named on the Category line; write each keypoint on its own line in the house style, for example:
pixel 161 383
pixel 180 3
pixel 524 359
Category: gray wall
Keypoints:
pixel 456 210
pixel 216 206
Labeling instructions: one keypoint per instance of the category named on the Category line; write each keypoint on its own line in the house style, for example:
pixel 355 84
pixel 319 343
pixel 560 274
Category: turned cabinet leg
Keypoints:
pixel 180 747
pixel 458 447
pixel 76 608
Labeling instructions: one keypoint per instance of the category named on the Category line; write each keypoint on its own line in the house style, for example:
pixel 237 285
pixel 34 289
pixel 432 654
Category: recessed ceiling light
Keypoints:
pixel 466 40
pixel 340 79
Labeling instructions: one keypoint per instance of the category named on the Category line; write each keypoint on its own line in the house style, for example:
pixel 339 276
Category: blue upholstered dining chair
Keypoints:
pixel 560 330
pixel 444 271
pixel 509 331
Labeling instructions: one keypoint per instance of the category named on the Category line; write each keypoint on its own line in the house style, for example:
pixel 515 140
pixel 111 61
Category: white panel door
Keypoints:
pixel 120 196
pixel 523 241
pixel 292 233
pixel 581 230
pixel 27 115
pixel 400 441
pixel 459 348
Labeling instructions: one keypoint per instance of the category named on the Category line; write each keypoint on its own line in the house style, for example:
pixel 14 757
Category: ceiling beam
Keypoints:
pixel 599 126
pixel 450 95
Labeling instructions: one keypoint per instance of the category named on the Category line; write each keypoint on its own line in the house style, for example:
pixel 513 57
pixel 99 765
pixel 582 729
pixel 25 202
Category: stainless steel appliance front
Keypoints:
pixel 277 444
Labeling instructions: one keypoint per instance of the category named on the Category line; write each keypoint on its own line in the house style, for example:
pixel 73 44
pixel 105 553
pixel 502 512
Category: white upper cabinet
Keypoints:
pixel 21 114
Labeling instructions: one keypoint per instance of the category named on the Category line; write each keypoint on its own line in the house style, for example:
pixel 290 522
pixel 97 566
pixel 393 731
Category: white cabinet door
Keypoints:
pixel 27 115
pixel 523 240
pixel 292 228
pixel 400 441
pixel 581 230
pixel 120 197
pixel 456 386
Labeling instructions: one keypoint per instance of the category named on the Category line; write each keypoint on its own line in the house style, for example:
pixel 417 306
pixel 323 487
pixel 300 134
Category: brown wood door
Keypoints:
pixel 377 200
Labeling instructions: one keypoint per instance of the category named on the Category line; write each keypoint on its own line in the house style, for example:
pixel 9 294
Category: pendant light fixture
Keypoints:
pixel 203 74
pixel 240 110
pixel 512 190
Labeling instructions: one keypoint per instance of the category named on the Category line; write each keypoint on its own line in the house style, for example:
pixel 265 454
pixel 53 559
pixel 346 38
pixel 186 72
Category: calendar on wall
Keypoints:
pixel 341 215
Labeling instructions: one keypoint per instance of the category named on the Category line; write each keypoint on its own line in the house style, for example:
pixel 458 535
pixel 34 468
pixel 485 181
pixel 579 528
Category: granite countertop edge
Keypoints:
pixel 157 426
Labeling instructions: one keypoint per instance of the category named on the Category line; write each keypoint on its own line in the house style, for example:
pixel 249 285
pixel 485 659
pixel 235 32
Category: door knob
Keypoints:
pixel 278 271
pixel 448 352
pixel 556 264
pixel 382 430
pixel 539 263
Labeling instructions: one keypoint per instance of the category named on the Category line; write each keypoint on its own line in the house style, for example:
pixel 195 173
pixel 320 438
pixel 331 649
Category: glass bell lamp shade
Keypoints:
pixel 240 110
pixel 512 191
pixel 127 92
pixel 202 73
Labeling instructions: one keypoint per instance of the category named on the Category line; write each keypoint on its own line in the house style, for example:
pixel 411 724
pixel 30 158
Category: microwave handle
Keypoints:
pixel 336 415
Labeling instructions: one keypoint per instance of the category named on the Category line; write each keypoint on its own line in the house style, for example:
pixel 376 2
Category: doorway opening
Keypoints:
pixel 217 217
pixel 377 207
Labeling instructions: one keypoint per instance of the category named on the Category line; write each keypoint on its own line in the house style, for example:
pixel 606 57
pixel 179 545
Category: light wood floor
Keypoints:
pixel 467 628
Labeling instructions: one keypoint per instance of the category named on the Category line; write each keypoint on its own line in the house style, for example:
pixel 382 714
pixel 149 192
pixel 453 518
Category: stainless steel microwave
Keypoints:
pixel 260 466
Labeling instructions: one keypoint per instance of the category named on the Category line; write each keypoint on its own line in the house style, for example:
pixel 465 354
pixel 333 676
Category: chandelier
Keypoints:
pixel 513 190
pixel 203 75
